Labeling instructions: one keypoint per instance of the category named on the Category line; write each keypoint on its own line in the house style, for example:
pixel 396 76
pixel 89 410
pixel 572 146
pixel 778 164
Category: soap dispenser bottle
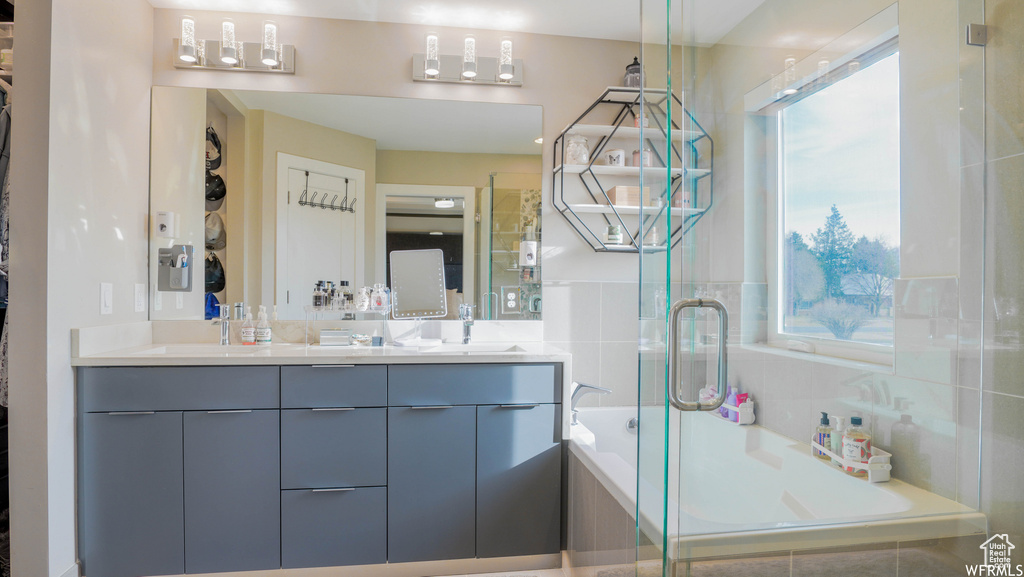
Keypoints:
pixel 248 328
pixel 836 439
pixel 822 436
pixel 263 335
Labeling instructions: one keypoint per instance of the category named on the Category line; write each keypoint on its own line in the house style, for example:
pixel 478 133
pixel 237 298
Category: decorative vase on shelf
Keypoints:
pixel 634 77
pixel 576 149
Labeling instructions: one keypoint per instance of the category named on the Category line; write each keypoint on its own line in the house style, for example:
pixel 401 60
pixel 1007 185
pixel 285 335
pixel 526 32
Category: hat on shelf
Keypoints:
pixel 215 235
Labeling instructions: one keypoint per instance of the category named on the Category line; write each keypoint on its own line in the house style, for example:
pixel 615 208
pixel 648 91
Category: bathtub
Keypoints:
pixel 748 490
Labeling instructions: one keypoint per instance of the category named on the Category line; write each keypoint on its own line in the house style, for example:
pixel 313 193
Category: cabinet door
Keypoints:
pixel 431 483
pixel 130 492
pixel 518 483
pixel 232 491
pixel 332 527
pixel 341 447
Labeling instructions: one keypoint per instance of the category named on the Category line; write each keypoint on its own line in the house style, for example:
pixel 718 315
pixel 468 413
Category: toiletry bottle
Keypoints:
pixel 856 447
pixel 731 399
pixel 248 328
pixel 263 336
pixel 837 438
pixel 273 315
pixel 722 410
pixel 822 436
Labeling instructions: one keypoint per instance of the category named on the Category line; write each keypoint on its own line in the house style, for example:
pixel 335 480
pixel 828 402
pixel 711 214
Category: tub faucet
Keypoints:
pixel 225 325
pixel 466 315
pixel 580 389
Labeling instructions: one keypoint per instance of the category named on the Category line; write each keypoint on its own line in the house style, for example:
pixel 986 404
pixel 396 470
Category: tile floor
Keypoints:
pixel 537 573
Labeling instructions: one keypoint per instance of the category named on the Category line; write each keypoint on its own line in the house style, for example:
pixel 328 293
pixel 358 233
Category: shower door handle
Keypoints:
pixel 674 382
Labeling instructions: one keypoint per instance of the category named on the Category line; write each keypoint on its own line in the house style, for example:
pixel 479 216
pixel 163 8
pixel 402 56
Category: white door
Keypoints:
pixel 316 242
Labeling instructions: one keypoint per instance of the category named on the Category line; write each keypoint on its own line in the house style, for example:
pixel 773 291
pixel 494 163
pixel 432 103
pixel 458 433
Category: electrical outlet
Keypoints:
pixel 140 297
pixel 106 298
pixel 510 296
pixel 179 300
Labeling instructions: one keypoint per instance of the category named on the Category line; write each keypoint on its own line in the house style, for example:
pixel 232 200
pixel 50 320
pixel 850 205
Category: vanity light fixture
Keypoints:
pixel 506 69
pixel 187 47
pixel 436 233
pixel 433 64
pixel 539 140
pixel 469 58
pixel 790 76
pixel 444 203
pixel 269 51
pixel 228 50
pixel 467 66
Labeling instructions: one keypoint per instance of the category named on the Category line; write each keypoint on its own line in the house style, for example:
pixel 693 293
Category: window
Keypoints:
pixel 839 207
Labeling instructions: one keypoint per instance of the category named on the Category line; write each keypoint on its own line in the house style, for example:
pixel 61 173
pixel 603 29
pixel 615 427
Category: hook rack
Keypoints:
pixel 306 200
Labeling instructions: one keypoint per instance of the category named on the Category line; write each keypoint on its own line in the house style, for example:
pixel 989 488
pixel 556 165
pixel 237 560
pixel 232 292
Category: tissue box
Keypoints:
pixel 628 195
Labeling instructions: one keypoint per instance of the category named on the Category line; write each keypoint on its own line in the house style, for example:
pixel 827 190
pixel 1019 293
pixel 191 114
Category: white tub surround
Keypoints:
pixel 747 490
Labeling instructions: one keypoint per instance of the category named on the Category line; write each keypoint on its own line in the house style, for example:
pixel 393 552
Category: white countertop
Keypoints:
pixel 200 354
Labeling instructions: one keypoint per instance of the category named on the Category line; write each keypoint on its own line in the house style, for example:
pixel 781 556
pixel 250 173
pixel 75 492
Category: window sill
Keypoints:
pixel 782 351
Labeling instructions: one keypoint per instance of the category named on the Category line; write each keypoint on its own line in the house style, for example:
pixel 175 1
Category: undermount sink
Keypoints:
pixel 473 348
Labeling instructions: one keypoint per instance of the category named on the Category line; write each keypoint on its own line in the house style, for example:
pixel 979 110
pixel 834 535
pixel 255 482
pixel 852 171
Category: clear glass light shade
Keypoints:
pixel 187 46
pixel 270 43
pixel 790 76
pixel 228 51
pixel 506 71
pixel 469 58
pixel 432 66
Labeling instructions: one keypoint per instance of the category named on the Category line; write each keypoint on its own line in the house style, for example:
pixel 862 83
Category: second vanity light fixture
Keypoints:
pixel 468 67
pixel 228 53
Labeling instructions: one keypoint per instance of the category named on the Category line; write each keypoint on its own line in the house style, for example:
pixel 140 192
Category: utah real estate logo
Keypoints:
pixel 998 553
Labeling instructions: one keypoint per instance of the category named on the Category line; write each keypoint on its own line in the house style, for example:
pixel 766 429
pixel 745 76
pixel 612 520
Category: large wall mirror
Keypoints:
pixel 322 187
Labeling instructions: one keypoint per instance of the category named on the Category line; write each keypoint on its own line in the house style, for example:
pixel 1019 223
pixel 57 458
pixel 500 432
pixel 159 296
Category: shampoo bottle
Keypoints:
pixel 263 335
pixel 822 436
pixel 836 439
pixel 248 328
pixel 856 448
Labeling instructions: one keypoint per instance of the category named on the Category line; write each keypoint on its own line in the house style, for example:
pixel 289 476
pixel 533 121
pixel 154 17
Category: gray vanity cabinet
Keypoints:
pixel 431 483
pixel 334 527
pixel 130 493
pixel 232 490
pixel 518 472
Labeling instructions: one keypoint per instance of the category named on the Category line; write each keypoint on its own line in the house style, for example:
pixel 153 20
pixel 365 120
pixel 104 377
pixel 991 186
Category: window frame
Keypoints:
pixel 775 227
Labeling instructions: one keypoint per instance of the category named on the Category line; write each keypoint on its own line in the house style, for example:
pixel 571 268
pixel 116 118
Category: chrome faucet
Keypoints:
pixel 580 389
pixel 225 325
pixel 466 315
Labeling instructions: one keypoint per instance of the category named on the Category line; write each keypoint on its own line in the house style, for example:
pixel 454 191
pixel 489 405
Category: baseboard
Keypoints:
pixel 72 571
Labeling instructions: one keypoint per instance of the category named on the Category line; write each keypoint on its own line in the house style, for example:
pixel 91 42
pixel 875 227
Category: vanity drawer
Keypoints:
pixel 334 386
pixel 107 389
pixel 483 384
pixel 333 448
pixel 325 528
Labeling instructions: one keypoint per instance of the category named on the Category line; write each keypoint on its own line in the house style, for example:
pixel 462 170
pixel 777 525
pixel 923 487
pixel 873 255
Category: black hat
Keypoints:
pixel 214 274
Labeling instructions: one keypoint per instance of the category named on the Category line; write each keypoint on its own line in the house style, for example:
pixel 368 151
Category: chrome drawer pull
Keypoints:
pixel 121 413
pixel 338 490
pixel 533 406
pixel 433 407
pixel 333 409
pixel 228 412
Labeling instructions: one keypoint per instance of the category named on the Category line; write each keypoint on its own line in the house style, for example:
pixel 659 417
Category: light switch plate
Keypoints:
pixel 158 300
pixel 179 300
pixel 140 297
pixel 106 298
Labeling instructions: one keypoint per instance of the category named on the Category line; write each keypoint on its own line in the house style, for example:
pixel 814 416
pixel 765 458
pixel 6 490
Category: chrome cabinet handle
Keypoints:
pixel 122 413
pixel 332 366
pixel 336 490
pixel 533 406
pixel 432 407
pixel 228 412
pixel 319 409
pixel 674 382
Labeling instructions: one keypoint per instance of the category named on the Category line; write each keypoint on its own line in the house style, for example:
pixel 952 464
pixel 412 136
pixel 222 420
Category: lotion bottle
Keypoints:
pixel 836 439
pixel 263 334
pixel 248 328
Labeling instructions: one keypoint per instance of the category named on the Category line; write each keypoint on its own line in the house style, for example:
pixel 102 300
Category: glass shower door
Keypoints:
pixel 744 95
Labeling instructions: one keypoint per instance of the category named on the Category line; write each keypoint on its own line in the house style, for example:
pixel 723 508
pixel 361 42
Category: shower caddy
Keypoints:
pixel 586 204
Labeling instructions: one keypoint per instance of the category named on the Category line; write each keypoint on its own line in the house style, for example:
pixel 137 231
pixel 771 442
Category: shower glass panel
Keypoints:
pixel 509 248
pixel 825 122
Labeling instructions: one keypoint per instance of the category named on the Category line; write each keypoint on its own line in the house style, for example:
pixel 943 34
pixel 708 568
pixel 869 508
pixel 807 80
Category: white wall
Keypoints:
pixel 80 206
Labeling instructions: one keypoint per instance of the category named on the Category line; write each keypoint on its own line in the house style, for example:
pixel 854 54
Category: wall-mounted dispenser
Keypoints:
pixel 163 224
pixel 174 270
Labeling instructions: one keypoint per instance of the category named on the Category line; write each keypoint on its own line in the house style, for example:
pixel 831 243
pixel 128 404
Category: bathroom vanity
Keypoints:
pixel 202 463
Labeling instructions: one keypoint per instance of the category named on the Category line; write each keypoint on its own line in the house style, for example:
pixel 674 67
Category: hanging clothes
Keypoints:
pixel 5 203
